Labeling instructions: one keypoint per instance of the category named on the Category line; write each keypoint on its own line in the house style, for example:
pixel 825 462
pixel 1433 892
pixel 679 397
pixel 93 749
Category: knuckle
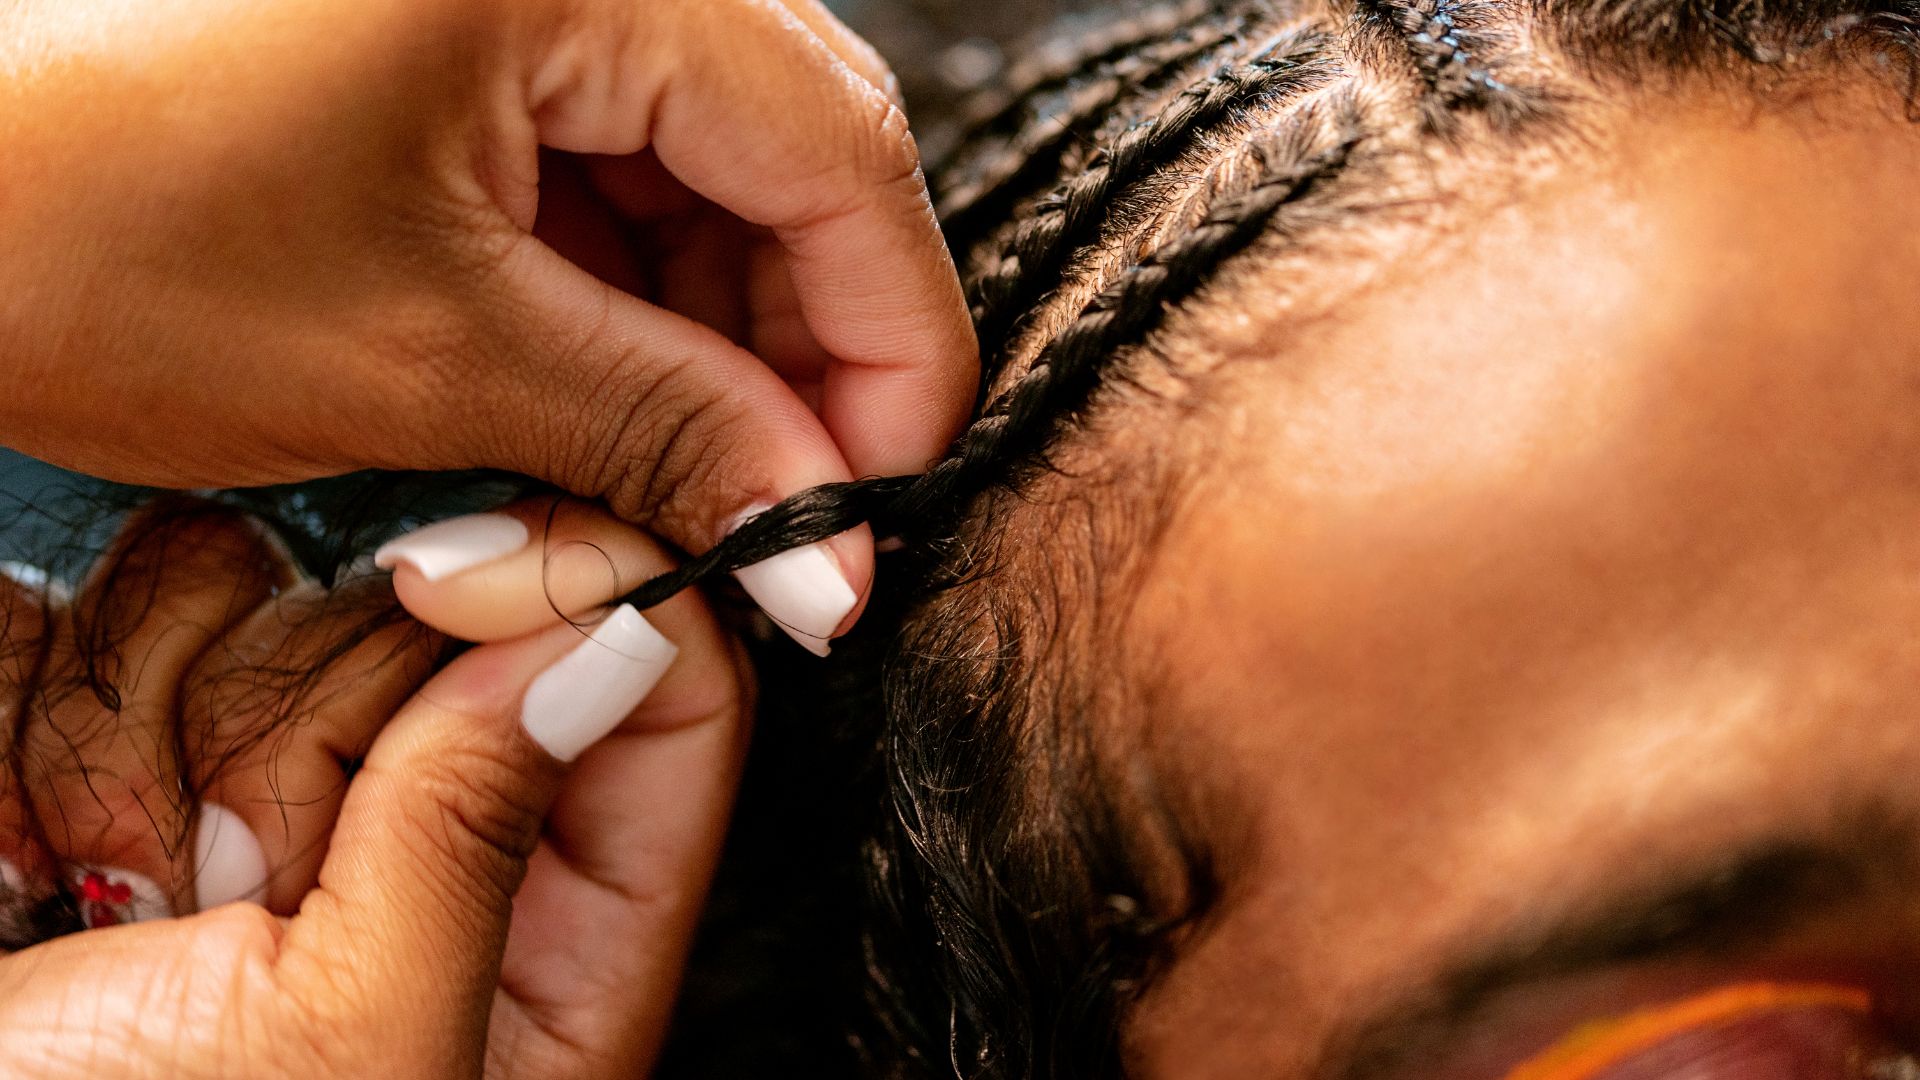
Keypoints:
pixel 872 66
pixel 242 938
pixel 870 160
pixel 890 157
pixel 665 450
pixel 475 823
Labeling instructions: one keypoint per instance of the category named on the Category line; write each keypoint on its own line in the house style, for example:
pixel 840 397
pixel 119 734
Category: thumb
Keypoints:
pixel 405 933
pixel 674 426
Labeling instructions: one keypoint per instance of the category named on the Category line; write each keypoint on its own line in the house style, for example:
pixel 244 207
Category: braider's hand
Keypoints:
pixel 508 886
pixel 675 253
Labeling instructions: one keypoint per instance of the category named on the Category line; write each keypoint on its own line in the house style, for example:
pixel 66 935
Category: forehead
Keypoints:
pixel 1589 535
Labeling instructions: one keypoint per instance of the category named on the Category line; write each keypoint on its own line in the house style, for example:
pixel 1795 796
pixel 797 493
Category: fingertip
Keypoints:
pixel 813 592
pixel 854 551
pixel 573 558
pixel 446 548
pixel 580 698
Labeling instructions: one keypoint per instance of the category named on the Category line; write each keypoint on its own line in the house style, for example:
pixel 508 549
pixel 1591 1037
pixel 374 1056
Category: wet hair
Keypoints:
pixel 1027 877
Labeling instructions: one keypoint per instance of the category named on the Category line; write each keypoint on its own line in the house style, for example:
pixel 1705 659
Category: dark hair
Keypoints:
pixel 1026 881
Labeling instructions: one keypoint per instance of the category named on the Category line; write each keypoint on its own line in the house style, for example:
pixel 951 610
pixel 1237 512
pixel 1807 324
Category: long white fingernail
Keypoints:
pixel 586 693
pixel 228 862
pixel 801 590
pixel 445 548
pixel 109 896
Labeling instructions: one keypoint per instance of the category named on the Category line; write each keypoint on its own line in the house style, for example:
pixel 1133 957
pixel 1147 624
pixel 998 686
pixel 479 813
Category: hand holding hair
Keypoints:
pixel 677 255
pixel 509 883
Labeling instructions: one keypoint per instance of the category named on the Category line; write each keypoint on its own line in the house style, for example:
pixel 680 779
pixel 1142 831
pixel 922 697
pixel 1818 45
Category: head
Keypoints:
pixel 1434 566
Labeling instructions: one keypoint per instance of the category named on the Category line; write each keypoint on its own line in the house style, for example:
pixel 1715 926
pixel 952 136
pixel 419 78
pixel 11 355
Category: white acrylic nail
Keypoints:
pixel 586 693
pixel 228 862
pixel 109 896
pixel 802 590
pixel 36 579
pixel 445 548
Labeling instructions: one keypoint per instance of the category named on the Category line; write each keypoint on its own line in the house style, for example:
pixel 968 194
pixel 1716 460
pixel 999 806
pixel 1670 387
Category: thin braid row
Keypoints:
pixel 1071 218
pixel 1063 379
pixel 1005 113
pixel 969 212
pixel 1440 48
pixel 1461 52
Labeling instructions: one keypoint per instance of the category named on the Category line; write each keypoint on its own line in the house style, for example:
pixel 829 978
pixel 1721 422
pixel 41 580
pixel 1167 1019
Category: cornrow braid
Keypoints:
pixel 1002 116
pixel 1441 50
pixel 969 212
pixel 1454 56
pixel 1072 217
pixel 1064 377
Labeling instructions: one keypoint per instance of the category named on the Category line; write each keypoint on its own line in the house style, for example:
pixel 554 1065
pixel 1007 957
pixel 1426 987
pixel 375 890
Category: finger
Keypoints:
pixel 852 49
pixel 273 720
pixel 826 162
pixel 577 558
pixel 98 752
pixel 677 429
pixel 629 848
pixel 433 837
pixel 28 873
pixel 501 575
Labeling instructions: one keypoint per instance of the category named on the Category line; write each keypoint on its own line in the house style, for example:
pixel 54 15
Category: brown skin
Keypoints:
pixel 262 242
pixel 466 904
pixel 1584 550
